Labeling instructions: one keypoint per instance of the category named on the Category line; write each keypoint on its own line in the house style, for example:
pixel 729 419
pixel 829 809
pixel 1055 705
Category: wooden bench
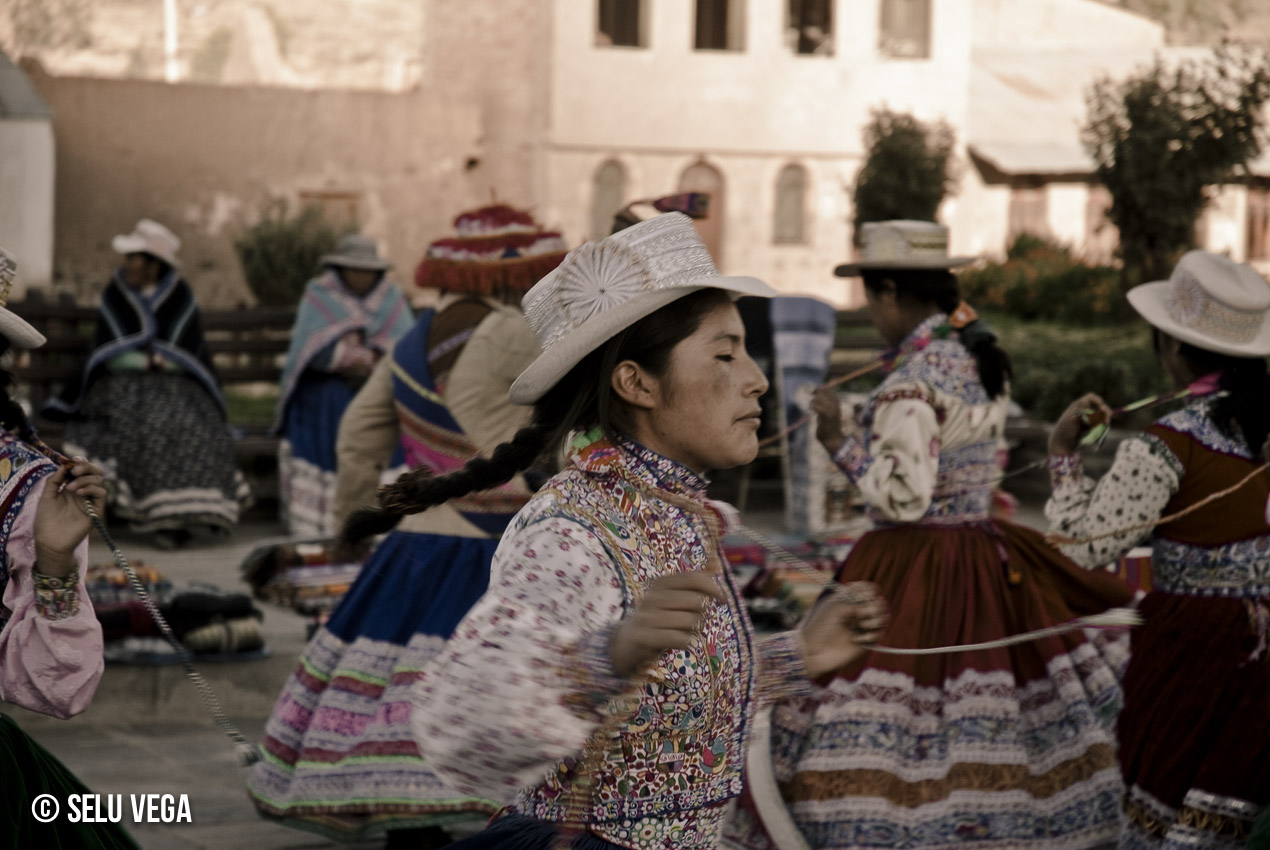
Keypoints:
pixel 248 346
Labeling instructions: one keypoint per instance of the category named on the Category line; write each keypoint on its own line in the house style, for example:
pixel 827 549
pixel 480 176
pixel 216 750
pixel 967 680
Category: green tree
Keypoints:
pixel 1164 136
pixel 906 171
pixel 280 252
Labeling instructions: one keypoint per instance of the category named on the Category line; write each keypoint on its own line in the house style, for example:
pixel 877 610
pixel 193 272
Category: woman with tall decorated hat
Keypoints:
pixel 1194 745
pixel 147 406
pixel 1011 746
pixel 603 687
pixel 349 317
pixel 439 399
pixel 50 642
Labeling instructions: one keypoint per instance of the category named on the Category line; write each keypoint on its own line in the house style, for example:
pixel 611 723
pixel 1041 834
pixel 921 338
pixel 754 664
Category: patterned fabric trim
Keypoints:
pixel 853 458
pixel 1195 421
pixel 1065 469
pixel 1239 570
pixel 1205 820
pixel 56 598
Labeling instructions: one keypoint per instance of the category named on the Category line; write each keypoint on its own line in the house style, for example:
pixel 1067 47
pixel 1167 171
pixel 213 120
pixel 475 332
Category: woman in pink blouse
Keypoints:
pixel 605 685
pixel 50 641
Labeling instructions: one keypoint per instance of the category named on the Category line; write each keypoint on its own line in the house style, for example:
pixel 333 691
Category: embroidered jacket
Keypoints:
pixel 1222 549
pixel 931 442
pixel 527 677
pixel 50 640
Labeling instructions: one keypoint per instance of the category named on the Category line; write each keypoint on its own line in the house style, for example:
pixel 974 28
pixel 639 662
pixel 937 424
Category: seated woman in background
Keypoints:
pixel 147 407
pixel 349 317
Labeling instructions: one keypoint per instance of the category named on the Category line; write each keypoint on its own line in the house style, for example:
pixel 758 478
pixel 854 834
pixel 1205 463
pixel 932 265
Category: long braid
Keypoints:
pixel 12 416
pixel 417 490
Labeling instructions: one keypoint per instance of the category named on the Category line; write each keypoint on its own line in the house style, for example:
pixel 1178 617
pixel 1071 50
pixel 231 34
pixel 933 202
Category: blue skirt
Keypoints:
pixel 312 419
pixel 517 832
pixel 340 754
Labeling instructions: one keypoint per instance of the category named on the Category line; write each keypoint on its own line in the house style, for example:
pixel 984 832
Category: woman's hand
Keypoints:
pixel 838 630
pixel 668 617
pixel 61 523
pixel 828 412
pixel 1081 415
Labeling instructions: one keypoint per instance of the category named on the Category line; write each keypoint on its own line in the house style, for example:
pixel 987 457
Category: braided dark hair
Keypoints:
pixel 1245 409
pixel 12 416
pixel 939 288
pixel 582 399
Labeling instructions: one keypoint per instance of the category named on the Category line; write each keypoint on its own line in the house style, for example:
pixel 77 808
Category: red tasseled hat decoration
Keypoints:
pixel 497 248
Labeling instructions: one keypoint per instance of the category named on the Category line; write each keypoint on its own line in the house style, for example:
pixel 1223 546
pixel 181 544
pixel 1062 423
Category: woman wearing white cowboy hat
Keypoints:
pixel 147 405
pixel 611 616
pixel 349 316
pixel 1000 748
pixel 1194 749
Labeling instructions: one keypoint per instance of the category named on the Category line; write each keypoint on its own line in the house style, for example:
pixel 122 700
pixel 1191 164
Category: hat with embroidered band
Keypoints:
pixel 902 245
pixel 12 326
pixel 149 237
pixel 1211 302
pixel 356 251
pixel 498 248
pixel 606 286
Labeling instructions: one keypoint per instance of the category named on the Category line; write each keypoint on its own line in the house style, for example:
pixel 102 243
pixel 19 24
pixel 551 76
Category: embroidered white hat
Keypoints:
pixel 149 237
pixel 603 287
pixel 1212 302
pixel 12 326
pixel 355 251
pixel 902 245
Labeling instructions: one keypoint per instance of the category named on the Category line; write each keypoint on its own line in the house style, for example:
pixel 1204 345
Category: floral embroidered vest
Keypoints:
pixel 680 748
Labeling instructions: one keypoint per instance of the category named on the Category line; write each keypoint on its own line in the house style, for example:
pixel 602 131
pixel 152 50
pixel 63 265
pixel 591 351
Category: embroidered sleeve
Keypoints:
pixel 51 648
pixel 56 598
pixel 782 674
pixel 895 461
pixel 523 681
pixel 1133 493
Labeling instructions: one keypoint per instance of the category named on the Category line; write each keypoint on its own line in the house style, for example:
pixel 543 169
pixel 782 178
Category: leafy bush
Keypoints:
pixel 1041 279
pixel 1056 363
pixel 906 170
pixel 280 252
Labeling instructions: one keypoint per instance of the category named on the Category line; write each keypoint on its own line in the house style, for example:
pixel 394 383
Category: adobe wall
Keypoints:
pixel 202 159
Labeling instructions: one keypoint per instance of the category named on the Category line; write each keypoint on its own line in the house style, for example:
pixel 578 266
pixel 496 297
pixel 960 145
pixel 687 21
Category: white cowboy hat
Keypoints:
pixel 1212 302
pixel 355 251
pixel 603 287
pixel 149 237
pixel 14 328
pixel 902 245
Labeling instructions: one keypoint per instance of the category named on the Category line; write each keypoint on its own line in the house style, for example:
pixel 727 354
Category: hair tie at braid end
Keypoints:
pixel 963 316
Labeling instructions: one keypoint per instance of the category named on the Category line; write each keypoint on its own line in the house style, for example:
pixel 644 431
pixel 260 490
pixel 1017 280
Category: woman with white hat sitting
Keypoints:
pixel 147 407
pixel 604 685
pixel 349 317
pixel 1194 747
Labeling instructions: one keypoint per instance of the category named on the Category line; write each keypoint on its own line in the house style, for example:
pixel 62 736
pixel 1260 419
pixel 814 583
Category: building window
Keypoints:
pixel 789 220
pixel 608 196
pixel 621 24
pixel 720 25
pixel 1029 212
pixel 809 27
pixel 1258 225
pixel 904 29
pixel 705 178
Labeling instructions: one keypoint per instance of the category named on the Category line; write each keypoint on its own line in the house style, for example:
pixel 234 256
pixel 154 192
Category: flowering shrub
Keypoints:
pixel 1041 279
